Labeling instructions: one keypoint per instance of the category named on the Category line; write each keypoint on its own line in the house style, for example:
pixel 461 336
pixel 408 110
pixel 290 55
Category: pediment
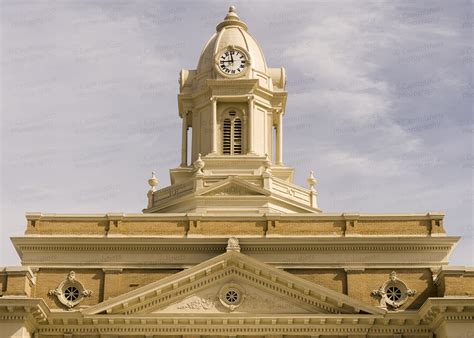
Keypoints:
pixel 247 298
pixel 234 186
pixel 201 289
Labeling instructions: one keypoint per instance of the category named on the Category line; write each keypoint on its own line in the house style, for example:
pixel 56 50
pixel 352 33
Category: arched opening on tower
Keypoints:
pixel 232 134
pixel 227 135
pixel 237 146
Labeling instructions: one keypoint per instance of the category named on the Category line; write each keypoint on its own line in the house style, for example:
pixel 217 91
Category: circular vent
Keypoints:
pixel 231 296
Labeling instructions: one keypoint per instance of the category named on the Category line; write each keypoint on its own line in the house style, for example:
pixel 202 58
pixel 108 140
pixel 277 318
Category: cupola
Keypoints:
pixel 232 109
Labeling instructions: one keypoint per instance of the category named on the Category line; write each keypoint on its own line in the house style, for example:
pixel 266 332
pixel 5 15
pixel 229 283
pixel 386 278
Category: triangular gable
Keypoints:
pixel 251 299
pixel 232 264
pixel 233 186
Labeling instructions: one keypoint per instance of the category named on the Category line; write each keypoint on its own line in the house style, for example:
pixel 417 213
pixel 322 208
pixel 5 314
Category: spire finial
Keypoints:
pixel 231 19
pixel 232 14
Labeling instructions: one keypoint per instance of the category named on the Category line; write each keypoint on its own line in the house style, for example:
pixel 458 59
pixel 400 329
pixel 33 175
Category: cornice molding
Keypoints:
pixel 236 326
pixel 458 271
pixel 36 315
pixel 250 241
pixel 251 216
pixel 284 252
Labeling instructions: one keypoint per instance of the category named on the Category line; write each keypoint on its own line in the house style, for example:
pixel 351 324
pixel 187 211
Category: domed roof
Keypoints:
pixel 231 32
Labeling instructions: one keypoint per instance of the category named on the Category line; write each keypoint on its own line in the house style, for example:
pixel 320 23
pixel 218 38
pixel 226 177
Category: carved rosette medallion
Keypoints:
pixel 70 292
pixel 231 296
pixel 393 293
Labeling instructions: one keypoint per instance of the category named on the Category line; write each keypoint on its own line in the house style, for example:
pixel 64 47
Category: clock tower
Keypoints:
pixel 232 107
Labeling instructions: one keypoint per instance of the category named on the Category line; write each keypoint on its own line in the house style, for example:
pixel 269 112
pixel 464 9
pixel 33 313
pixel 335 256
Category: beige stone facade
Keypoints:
pixel 233 247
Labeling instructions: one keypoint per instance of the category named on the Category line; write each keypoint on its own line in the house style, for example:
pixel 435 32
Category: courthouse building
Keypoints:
pixel 233 247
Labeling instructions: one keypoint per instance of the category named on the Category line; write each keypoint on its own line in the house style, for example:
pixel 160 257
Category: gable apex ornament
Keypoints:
pixel 233 244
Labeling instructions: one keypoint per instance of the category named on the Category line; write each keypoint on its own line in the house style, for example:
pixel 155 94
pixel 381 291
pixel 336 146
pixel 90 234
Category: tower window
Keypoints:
pixel 237 136
pixel 227 136
pixel 232 134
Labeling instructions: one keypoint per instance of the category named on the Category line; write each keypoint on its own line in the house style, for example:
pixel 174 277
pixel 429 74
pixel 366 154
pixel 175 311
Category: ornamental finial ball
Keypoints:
pixel 267 164
pixel 232 8
pixel 153 181
pixel 199 164
pixel 311 180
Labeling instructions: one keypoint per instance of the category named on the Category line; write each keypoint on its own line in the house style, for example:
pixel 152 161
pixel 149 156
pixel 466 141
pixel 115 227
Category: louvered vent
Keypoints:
pixel 226 146
pixel 237 136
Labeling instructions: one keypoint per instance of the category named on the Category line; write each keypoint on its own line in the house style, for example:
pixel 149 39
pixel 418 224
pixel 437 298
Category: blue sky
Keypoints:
pixel 380 103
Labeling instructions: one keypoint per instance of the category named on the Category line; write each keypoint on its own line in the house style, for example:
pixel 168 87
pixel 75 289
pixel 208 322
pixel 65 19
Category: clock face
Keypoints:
pixel 232 62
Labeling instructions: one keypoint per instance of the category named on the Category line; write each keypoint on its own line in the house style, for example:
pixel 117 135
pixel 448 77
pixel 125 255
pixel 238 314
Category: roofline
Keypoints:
pixel 34 216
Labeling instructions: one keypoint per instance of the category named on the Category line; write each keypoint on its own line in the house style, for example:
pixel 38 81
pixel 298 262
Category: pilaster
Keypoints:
pixel 112 282
pixel 353 276
pixel 251 107
pixel 279 138
pixel 184 141
pixel 19 281
pixel 214 125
